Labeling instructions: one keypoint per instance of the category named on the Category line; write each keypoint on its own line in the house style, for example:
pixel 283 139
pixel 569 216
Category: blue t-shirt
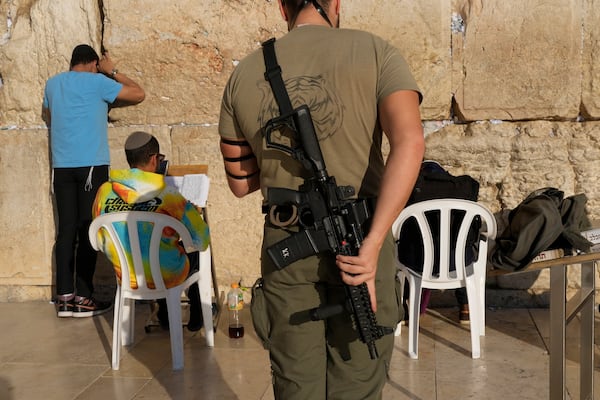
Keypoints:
pixel 78 104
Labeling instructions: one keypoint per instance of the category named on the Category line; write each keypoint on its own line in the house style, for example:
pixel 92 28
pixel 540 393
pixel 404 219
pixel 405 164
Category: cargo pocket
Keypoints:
pixel 260 317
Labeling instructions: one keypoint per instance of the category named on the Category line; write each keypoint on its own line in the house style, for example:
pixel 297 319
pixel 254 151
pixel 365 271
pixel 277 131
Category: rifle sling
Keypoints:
pixel 273 75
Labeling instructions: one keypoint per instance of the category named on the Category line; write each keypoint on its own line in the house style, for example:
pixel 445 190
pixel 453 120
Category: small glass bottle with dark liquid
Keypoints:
pixel 236 331
pixel 235 304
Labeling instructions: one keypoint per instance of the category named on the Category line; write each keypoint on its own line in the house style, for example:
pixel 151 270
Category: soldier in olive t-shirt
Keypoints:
pixel 356 86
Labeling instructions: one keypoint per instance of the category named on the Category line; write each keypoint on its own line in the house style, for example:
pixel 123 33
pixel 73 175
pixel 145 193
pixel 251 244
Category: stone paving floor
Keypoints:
pixel 43 357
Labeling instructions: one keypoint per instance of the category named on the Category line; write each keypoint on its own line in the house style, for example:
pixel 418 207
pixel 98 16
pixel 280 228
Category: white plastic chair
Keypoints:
pixel 470 276
pixel 124 310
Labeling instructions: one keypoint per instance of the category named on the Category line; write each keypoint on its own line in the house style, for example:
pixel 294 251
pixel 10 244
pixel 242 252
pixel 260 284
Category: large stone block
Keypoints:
pixel 117 135
pixel 585 158
pixel 21 293
pixel 38 42
pixel 26 212
pixel 518 59
pixel 421 31
pixel 512 159
pixel 235 224
pixel 481 150
pixel 591 59
pixel 183 52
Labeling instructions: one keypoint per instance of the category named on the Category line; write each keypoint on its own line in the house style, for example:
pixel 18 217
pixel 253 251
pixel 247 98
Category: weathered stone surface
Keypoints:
pixel 183 53
pixel 512 159
pixel 26 212
pixel 421 31
pixel 481 150
pixel 38 42
pixel 498 60
pixel 503 73
pixel 118 134
pixel 591 59
pixel 236 224
pixel 518 60
pixel 21 293
pixel 585 158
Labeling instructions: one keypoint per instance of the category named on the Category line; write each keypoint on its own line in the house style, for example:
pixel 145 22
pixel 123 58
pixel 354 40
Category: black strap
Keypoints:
pixel 239 177
pixel 320 11
pixel 242 158
pixel 273 75
pixel 241 143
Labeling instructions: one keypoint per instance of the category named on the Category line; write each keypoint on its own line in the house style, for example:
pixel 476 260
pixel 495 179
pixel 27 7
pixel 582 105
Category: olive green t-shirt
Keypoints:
pixel 342 75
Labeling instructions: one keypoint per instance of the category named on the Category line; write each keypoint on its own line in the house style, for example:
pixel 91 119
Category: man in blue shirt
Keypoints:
pixel 75 107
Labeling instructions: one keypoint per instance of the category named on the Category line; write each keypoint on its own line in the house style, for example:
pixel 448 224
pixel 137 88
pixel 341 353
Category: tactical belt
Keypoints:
pixel 287 215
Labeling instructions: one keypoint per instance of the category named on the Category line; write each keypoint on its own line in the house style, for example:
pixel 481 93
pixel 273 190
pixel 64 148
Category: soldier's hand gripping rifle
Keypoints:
pixel 329 218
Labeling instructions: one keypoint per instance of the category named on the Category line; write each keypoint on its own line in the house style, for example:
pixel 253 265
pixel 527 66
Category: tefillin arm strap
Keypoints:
pixel 273 76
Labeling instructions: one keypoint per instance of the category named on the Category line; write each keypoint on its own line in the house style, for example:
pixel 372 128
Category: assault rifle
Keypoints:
pixel 329 218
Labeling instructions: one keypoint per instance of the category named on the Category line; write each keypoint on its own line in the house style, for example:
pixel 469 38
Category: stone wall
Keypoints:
pixel 509 98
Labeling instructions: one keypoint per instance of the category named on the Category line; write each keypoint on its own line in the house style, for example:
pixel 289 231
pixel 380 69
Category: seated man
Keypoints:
pixel 141 189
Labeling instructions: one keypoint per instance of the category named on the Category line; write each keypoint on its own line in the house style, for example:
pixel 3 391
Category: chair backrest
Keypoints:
pixel 131 220
pixel 444 208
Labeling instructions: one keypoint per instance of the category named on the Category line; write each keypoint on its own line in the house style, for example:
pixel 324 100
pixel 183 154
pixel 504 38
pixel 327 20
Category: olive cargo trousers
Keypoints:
pixel 321 359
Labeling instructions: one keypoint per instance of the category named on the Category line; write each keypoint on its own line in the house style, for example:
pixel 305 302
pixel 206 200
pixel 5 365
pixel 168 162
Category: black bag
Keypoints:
pixel 434 182
pixel 544 220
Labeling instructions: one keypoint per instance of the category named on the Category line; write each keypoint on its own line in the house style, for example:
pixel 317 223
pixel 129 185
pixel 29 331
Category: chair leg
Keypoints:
pixel 402 280
pixel 128 322
pixel 475 315
pixel 204 285
pixel 413 316
pixel 481 296
pixel 116 342
pixel 175 328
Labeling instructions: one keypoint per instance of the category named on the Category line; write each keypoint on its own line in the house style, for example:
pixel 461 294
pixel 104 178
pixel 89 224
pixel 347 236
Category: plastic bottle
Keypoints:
pixel 235 304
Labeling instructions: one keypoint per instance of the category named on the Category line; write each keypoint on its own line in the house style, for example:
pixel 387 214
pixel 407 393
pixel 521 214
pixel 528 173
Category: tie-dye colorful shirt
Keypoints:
pixel 137 190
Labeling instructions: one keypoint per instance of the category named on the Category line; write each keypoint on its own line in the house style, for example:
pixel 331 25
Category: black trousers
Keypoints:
pixel 193 292
pixel 75 191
